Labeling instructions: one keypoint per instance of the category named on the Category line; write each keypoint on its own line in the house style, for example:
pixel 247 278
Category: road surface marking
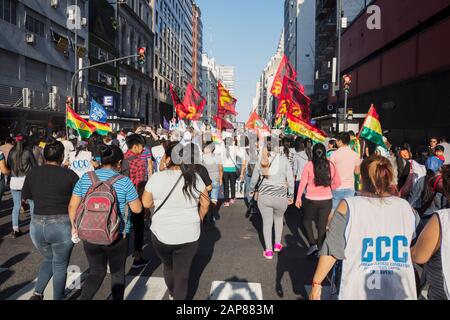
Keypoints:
pixel 144 288
pixel 226 290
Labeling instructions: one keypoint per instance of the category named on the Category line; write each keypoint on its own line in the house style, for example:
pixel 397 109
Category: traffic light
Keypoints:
pixel 141 58
pixel 347 82
pixel 69 101
pixel 350 114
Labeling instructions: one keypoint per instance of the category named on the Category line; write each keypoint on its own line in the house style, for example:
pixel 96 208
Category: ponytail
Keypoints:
pixel 377 175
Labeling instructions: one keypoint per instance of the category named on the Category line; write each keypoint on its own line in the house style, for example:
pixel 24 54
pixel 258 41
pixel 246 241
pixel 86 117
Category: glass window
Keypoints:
pixel 8 10
pixel 34 25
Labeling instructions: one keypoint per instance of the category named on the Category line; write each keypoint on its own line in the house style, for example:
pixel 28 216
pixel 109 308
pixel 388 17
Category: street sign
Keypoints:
pixel 108 101
pixel 123 81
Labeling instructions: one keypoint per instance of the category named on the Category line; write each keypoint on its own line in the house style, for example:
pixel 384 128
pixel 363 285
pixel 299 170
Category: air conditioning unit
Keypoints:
pixel 55 90
pixel 26 96
pixel 54 3
pixel 30 38
pixel 52 100
pixel 83 22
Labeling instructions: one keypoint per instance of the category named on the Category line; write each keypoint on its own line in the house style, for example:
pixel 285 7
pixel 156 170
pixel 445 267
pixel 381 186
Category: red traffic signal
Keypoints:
pixel 347 81
pixel 141 53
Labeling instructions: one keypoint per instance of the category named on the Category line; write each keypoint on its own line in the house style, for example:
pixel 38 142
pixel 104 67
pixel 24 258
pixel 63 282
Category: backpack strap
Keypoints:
pixel 93 177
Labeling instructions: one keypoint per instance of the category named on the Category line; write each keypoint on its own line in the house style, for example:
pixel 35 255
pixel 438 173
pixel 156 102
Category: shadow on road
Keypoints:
pixel 235 285
pixel 210 235
pixel 14 260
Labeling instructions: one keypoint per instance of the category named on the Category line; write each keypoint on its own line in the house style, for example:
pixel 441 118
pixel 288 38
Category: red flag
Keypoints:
pixel 179 107
pixel 255 122
pixel 294 101
pixel 222 123
pixel 226 102
pixel 194 103
pixel 284 70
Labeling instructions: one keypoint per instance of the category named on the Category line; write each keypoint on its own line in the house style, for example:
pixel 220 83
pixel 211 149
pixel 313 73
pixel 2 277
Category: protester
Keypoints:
pixel 99 256
pixel 273 181
pixel 446 146
pixel 319 178
pixel 432 248
pixel 37 150
pixel 20 161
pixel 436 161
pixel 6 148
pixel 50 187
pixel 211 163
pixel 121 138
pixel 332 147
pixel 409 171
pixel 358 230
pixel 181 201
pixel 68 146
pixel 229 175
pixel 135 167
pixel 300 161
pixel 434 141
pixel 81 160
pixel 347 163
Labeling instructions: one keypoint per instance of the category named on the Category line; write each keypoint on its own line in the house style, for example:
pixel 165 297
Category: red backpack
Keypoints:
pixel 97 219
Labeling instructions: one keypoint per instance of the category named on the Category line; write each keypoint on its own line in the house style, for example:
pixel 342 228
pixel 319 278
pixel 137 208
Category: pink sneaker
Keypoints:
pixel 226 204
pixel 233 201
pixel 268 254
pixel 278 247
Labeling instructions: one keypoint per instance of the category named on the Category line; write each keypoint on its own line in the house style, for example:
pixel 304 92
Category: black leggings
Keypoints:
pixel 229 178
pixel 138 227
pixel 98 257
pixel 318 211
pixel 177 261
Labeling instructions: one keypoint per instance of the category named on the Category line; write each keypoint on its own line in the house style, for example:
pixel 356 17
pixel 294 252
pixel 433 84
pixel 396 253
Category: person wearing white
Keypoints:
pixel 372 235
pixel 80 161
pixel 433 249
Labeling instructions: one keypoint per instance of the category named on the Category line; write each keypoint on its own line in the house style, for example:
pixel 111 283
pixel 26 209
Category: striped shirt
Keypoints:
pixel 125 191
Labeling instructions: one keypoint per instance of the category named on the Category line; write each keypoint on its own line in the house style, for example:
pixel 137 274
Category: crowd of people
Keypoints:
pixel 378 211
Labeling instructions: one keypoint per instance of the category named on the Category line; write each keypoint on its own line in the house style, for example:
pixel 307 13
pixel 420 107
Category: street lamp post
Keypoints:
pixel 338 74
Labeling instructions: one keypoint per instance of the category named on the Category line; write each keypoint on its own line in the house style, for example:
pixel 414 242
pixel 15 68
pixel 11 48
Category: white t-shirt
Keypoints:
pixel 82 163
pixel 68 147
pixel 178 221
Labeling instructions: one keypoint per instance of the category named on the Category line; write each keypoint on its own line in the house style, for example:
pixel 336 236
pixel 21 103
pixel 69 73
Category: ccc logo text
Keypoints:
pixel 80 164
pixel 385 249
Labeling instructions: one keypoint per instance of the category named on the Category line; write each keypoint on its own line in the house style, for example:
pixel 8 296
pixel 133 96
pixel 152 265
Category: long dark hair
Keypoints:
pixel 186 163
pixel 322 170
pixel 298 144
pixel 286 142
pixel 428 191
pixel 19 149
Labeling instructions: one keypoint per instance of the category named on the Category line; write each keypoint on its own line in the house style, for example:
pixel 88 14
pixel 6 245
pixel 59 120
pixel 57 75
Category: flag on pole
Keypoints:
pixel 74 121
pixel 294 101
pixel 179 107
pixel 299 127
pixel 194 103
pixel 256 123
pixel 226 102
pixel 285 69
pixel 97 112
pixel 371 129
pixel 101 128
pixel 222 124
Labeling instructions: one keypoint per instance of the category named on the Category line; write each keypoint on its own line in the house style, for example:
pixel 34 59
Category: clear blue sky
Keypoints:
pixel 243 34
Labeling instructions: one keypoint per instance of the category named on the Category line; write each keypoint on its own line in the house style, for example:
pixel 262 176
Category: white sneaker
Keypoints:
pixel 313 249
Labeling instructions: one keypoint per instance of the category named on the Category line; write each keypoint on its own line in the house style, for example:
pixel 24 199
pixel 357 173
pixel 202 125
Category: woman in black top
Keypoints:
pixel 50 187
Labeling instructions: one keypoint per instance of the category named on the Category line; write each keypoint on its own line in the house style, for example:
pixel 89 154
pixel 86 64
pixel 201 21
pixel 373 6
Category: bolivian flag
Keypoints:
pixel 102 128
pixel 83 127
pixel 371 129
pixel 306 130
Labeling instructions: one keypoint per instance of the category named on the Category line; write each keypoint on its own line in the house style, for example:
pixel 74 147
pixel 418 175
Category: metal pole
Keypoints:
pixel 75 98
pixel 345 110
pixel 338 76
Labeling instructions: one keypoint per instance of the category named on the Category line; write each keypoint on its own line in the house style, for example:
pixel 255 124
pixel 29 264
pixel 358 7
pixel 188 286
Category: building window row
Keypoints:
pixel 8 10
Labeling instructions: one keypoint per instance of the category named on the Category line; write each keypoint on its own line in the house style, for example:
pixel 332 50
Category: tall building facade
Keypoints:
pixel 38 54
pixel 291 12
pixel 173 22
pixel 136 89
pixel 405 72
pixel 225 74
pixel 264 103
pixel 326 46
pixel 197 58
pixel 209 87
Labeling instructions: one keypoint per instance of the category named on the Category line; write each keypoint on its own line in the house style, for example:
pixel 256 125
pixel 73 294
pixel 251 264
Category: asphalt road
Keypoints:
pixel 228 265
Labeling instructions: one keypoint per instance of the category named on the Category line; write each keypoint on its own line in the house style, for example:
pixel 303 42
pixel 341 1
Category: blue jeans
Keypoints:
pixel 52 236
pixel 215 191
pixel 341 194
pixel 248 181
pixel 17 200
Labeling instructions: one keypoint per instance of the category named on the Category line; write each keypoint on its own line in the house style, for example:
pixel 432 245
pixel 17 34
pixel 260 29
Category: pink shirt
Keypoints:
pixel 314 192
pixel 346 160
